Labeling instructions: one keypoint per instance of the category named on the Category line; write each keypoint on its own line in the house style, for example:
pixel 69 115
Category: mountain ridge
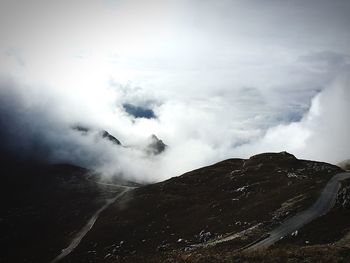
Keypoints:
pixel 206 204
pixel 210 212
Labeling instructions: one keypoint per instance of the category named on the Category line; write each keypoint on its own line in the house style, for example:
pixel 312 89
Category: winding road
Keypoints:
pixel 80 235
pixel 322 206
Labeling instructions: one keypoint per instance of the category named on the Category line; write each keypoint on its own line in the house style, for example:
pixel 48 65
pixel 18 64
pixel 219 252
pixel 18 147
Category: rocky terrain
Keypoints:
pixel 207 215
pixel 43 207
pixel 154 145
pixel 224 206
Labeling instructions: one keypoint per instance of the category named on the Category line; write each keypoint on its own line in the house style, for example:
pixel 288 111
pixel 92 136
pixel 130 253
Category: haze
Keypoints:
pixel 212 79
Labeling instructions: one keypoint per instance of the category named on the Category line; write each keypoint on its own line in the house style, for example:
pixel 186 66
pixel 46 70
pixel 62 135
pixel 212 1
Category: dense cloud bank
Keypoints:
pixel 323 132
pixel 39 125
pixel 212 80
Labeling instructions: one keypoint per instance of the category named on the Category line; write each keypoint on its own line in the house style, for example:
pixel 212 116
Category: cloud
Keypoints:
pixel 197 134
pixel 322 134
pixel 212 80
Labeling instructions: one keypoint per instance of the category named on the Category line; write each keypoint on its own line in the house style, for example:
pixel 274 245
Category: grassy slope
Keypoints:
pixel 226 197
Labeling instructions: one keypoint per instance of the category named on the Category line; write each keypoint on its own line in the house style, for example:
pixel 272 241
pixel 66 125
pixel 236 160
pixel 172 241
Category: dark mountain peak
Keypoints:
pixel 110 137
pixel 84 130
pixel 156 146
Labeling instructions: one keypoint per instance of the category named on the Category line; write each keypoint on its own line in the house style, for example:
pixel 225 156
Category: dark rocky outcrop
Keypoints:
pixel 84 130
pixel 156 146
pixel 110 137
pixel 343 197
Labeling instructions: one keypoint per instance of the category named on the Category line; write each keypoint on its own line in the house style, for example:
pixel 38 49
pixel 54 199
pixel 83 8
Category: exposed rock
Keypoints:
pixel 156 146
pixel 103 133
pixel 110 137
pixel 287 207
pixel 343 197
pixel 204 236
pixel 163 247
pixel 295 233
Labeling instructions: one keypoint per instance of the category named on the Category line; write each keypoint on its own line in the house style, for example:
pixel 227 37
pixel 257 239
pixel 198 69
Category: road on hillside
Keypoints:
pixel 80 235
pixel 322 206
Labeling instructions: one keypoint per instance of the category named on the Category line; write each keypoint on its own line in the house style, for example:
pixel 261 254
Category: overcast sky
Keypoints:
pixel 224 79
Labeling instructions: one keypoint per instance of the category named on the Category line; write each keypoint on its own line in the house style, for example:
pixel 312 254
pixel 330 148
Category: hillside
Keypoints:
pixel 43 207
pixel 236 200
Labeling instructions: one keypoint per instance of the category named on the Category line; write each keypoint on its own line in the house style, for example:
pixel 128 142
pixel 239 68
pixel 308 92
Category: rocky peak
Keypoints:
pixel 110 137
pixel 156 146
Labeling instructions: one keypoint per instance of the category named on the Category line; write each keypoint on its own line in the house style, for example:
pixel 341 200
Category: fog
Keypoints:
pixel 213 80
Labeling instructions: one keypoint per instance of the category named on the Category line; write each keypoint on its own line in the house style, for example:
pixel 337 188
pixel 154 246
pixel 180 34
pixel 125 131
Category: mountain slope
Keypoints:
pixel 43 206
pixel 249 197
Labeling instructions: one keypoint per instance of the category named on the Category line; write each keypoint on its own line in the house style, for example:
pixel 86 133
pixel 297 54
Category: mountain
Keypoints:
pixel 102 133
pixel 218 213
pixel 155 145
pixel 211 211
pixel 110 137
pixel 44 206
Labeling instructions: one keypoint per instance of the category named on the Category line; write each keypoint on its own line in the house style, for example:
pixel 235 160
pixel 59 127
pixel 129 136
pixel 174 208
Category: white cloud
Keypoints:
pixel 225 79
pixel 322 134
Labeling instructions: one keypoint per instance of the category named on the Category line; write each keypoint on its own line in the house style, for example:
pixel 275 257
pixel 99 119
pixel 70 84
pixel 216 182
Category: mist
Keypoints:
pixel 212 80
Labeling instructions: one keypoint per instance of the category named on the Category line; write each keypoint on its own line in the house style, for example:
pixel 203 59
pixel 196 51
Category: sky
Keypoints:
pixel 212 79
